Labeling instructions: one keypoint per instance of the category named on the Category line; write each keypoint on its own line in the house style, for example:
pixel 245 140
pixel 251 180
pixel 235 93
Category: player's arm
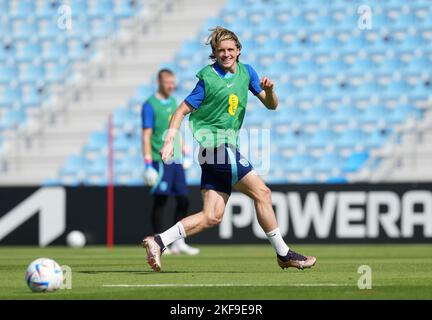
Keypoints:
pixel 146 141
pixel 174 126
pixel 268 95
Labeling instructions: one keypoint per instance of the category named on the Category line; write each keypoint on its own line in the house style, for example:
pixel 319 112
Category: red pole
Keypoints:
pixel 110 187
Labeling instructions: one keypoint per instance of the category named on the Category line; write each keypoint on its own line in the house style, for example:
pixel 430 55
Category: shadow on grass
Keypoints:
pixel 152 272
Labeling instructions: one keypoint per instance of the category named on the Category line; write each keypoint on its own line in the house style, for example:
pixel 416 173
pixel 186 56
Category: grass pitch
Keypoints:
pixel 227 272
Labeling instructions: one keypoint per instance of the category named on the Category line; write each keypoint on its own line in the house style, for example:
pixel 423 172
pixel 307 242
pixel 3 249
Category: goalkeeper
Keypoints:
pixel 165 179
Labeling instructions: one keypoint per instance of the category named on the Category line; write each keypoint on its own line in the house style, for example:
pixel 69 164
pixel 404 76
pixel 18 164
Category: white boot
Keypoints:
pixel 180 246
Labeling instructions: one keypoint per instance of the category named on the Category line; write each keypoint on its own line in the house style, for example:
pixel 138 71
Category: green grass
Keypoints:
pixel 398 272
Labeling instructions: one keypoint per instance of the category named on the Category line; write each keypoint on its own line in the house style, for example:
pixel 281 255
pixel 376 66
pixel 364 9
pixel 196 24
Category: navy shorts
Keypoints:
pixel 171 179
pixel 222 167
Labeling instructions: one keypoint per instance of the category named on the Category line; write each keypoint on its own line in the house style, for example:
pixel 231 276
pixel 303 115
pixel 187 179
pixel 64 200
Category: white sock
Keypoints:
pixel 278 242
pixel 174 233
pixel 180 242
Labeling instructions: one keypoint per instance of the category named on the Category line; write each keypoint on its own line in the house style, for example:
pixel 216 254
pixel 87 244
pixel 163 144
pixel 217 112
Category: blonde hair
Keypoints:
pixel 218 35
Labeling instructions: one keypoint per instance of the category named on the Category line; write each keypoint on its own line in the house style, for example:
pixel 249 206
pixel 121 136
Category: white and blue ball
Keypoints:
pixel 44 275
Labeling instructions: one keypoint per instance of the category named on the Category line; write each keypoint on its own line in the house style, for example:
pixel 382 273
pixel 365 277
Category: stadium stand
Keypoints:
pixel 351 98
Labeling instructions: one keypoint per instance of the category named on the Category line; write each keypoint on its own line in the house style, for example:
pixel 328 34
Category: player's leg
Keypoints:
pixel 159 203
pixel 180 191
pixel 180 246
pixel 253 186
pixel 210 216
pixel 214 203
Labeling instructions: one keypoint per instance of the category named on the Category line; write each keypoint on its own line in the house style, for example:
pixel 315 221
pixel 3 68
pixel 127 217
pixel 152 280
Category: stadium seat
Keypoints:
pixel 7 73
pixel 327 163
pixel 9 96
pixel 97 142
pixel 340 87
pixel 355 161
pixel 21 9
pixel 13 120
pixel 350 138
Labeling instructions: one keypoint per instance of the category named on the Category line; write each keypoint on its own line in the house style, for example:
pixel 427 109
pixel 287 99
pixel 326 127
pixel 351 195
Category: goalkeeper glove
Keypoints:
pixel 150 174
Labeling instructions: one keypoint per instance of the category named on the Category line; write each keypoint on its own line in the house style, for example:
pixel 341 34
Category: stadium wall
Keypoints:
pixel 354 213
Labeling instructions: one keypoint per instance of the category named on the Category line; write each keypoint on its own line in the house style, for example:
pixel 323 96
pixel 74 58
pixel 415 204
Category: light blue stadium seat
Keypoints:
pixel 291 141
pixel 402 113
pixel 299 162
pixel 46 9
pixel 141 94
pixel 30 96
pixel 54 51
pixel 101 8
pixel 130 165
pixel 354 44
pixel 4 5
pixel 322 22
pixel 239 25
pixel 51 182
pixel 336 180
pixel 48 29
pixel 344 114
pixel 124 9
pixel 350 138
pixel 79 7
pixel 23 29
pixel 13 119
pixel 377 138
pixel 5 27
pixel 30 73
pixel 405 20
pixel 294 23
pixel 326 45
pixel 390 65
pixel 305 67
pixel 316 114
pixel 321 139
pixel 55 73
pixel 328 162
pixel 81 29
pixel 412 43
pixel 360 65
pixel 367 88
pixel 97 141
pixel 123 143
pixel 374 114
pixel 73 165
pixel 27 51
pixel 355 161
pixel 7 73
pixel 310 89
pixel 3 54
pixel 103 27
pixel 421 91
pixel 122 117
pixel 418 64
pixel 97 167
pixel 9 96
pixel 22 9
pixel 380 21
pixel 395 88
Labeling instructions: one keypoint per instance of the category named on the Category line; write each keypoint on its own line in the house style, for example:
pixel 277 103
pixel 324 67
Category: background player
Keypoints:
pixel 166 179
pixel 217 106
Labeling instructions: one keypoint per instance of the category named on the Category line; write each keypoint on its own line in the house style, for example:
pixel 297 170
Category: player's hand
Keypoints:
pixel 167 151
pixel 266 84
pixel 150 176
pixel 187 162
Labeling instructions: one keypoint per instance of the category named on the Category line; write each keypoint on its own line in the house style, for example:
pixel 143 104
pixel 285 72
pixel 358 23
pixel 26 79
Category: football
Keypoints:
pixel 76 239
pixel 44 275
